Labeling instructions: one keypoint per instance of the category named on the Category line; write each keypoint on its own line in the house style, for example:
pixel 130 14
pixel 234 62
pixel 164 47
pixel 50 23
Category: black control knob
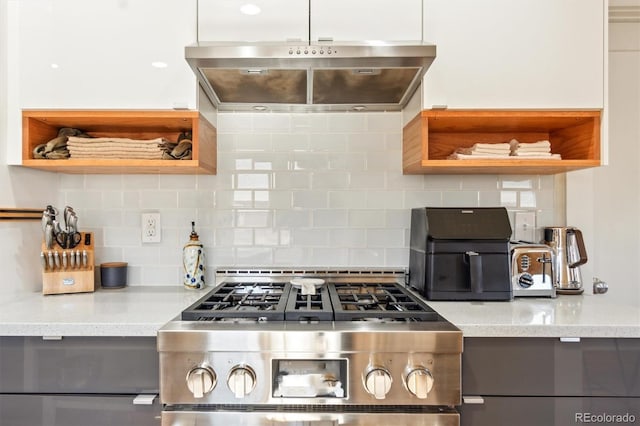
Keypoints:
pixel 525 280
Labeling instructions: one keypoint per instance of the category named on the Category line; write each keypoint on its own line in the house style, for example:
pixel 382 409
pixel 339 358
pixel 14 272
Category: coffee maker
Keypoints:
pixel 569 253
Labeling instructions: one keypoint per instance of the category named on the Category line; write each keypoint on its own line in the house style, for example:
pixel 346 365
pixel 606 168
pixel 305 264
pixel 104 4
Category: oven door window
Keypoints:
pixel 309 378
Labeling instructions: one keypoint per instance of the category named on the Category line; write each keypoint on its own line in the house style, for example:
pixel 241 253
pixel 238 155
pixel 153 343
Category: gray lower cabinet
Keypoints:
pixel 546 381
pixel 76 410
pixel 78 381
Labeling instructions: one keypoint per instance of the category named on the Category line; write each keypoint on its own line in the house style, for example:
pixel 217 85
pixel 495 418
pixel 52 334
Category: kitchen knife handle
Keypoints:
pixel 475 271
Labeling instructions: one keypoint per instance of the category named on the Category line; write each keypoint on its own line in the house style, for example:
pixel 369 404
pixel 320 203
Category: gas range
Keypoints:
pixel 359 346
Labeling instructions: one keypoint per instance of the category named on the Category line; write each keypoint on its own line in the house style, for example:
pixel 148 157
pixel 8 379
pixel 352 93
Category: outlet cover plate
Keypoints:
pixel 525 226
pixel 151 230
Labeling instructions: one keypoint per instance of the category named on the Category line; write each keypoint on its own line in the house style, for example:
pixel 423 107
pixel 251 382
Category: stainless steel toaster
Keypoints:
pixel 532 270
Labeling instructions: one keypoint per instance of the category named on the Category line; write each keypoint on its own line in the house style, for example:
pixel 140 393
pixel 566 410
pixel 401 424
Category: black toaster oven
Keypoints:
pixel 460 253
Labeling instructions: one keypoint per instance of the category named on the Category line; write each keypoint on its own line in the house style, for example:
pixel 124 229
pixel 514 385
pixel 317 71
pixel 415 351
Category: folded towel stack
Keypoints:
pixel 123 148
pixel 482 150
pixel 540 149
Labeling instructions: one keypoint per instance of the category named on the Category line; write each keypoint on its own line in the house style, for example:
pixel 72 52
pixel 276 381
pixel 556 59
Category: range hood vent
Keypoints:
pixel 323 77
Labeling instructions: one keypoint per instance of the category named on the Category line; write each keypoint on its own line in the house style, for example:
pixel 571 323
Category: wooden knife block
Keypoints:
pixel 79 279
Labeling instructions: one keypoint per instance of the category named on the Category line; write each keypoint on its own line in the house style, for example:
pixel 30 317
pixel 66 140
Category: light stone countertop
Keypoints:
pixel 587 315
pixel 129 311
pixel 142 310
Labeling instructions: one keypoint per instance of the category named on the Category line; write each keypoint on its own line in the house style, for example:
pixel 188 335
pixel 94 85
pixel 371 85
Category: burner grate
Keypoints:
pixel 259 301
pixel 377 301
pixel 316 307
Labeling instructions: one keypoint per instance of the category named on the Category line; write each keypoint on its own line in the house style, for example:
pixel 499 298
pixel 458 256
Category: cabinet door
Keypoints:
pixel 340 20
pixel 524 54
pixel 537 411
pixel 76 410
pixel 79 365
pixel 261 20
pixel 106 54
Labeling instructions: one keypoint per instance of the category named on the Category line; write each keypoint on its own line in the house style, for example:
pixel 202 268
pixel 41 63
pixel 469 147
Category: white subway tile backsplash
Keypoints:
pixel 306 123
pixel 398 257
pixel 159 199
pixel 329 142
pixel 384 122
pixel 292 219
pixel 460 199
pixel 113 199
pixel 347 238
pixel 272 199
pixel 267 237
pixel 177 181
pixel 234 237
pixel 234 123
pixel 103 182
pixel 367 180
pixel 509 198
pixel 80 200
pixel 384 199
pixel 367 218
pixel 291 189
pixel 386 238
pixel 347 199
pixel 480 182
pixel 253 181
pixel 346 122
pixel 413 199
pixel 346 161
pixel 254 218
pixel 329 180
pixel 316 199
pixel 329 257
pixel 272 123
pixel 528 199
pixel 255 256
pixel 258 142
pixel 330 218
pixel 366 257
pixel 309 238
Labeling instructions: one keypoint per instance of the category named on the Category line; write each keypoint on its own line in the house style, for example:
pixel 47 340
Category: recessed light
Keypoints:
pixel 54 66
pixel 159 64
pixel 359 108
pixel 250 9
pixel 260 108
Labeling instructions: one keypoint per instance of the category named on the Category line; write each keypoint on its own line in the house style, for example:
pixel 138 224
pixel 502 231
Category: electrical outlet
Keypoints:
pixel 525 226
pixel 151 227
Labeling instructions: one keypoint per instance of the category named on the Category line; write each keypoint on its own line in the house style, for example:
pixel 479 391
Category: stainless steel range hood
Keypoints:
pixel 302 77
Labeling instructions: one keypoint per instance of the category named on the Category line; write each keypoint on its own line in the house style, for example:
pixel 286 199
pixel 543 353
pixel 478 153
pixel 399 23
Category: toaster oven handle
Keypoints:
pixel 475 271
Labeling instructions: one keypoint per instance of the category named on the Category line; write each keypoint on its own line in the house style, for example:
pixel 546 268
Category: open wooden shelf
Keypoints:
pixel 40 126
pixel 434 134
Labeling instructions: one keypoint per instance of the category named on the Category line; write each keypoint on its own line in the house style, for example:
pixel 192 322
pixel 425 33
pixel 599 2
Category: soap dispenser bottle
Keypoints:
pixel 193 261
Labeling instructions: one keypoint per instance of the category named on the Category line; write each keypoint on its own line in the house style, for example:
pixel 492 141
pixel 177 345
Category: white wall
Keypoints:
pixel 19 241
pixel 605 202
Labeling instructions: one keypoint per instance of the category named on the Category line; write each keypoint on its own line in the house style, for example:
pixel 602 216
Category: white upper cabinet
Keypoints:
pixel 102 54
pixel 254 20
pixel 516 54
pixel 340 20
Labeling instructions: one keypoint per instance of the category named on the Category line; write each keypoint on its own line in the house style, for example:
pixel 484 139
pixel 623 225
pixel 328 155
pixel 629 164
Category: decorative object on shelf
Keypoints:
pixel 193 261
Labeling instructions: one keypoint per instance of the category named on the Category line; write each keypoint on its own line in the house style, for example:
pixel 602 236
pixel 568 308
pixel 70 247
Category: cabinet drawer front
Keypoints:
pixel 536 411
pixel 76 410
pixel 548 367
pixel 116 365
